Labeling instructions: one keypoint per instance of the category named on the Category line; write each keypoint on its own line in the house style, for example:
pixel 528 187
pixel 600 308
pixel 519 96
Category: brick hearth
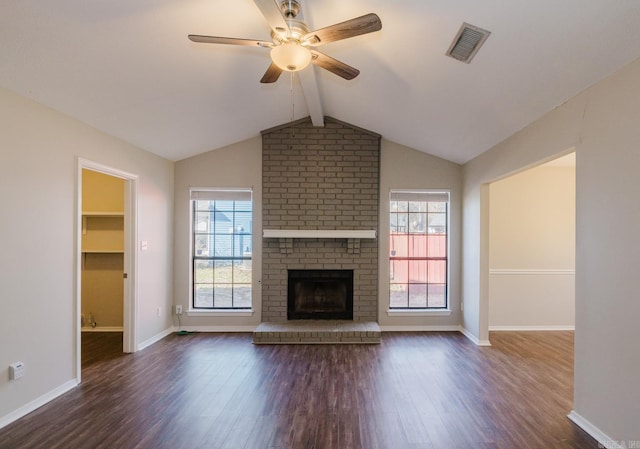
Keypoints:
pixel 318 332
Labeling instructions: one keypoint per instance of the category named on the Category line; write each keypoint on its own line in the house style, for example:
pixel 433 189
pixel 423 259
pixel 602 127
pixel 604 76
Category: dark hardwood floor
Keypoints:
pixel 413 391
pixel 100 347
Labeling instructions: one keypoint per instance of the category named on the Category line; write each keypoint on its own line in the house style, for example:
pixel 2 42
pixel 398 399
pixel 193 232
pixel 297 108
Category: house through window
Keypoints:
pixel 418 253
pixel 222 248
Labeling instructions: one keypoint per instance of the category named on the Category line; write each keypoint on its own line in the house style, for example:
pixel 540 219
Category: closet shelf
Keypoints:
pixel 103 251
pixel 99 213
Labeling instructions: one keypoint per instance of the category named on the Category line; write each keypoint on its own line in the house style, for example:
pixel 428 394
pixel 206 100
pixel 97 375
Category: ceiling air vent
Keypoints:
pixel 467 42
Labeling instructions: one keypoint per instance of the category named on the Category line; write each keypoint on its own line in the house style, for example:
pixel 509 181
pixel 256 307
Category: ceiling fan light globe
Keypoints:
pixel 291 56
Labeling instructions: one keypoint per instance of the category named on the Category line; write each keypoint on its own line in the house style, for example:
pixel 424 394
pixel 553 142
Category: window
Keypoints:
pixel 418 256
pixel 222 247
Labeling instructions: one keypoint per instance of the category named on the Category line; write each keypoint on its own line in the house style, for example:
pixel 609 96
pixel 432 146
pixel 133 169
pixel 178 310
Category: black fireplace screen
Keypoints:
pixel 320 295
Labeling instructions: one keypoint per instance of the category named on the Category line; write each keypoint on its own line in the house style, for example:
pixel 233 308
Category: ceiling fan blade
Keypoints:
pixel 354 27
pixel 228 40
pixel 270 9
pixel 333 65
pixel 272 74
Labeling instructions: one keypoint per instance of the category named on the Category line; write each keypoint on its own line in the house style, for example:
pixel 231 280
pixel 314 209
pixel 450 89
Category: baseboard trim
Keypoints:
pixel 243 329
pixel 218 329
pixel 602 438
pixel 156 338
pixel 535 272
pixel 37 403
pixel 421 328
pixel 473 338
pixel 531 328
pixel 103 329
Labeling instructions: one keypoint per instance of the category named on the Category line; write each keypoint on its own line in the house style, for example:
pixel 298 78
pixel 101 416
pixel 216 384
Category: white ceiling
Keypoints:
pixel 127 68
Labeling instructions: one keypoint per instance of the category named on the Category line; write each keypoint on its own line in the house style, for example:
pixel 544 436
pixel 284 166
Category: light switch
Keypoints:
pixel 144 245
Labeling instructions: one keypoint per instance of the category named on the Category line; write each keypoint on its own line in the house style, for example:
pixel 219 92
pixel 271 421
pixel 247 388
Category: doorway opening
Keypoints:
pixel 532 249
pixel 105 286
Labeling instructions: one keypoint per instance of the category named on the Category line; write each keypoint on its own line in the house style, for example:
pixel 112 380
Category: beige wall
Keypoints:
pixel 602 124
pixel 532 249
pixel 533 220
pixel 238 165
pixel 39 148
pixel 405 168
pixel 607 386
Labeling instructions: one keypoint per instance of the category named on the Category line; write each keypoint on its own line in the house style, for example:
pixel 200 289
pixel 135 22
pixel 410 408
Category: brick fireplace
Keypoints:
pixel 314 180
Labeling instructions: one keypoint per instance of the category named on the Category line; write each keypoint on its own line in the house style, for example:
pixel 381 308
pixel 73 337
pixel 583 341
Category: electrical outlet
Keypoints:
pixel 16 370
pixel 178 309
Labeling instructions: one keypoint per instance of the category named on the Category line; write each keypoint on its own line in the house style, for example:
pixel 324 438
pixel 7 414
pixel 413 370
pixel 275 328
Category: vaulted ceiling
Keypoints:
pixel 127 68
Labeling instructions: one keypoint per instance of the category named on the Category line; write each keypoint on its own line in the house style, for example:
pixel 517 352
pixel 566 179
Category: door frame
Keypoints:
pixel 130 301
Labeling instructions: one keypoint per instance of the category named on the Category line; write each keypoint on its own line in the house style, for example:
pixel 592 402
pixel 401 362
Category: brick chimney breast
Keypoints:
pixel 320 178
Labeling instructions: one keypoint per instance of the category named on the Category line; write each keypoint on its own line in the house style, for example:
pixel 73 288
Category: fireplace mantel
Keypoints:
pixel 287 236
pixel 318 234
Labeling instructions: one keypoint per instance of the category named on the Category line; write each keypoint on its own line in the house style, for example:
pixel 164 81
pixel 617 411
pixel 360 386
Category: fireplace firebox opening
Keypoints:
pixel 320 295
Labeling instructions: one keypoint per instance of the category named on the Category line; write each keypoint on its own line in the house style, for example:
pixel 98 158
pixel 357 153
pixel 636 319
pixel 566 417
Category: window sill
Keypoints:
pixel 243 312
pixel 418 312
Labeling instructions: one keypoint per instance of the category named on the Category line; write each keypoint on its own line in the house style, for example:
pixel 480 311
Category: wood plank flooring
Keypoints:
pixel 413 391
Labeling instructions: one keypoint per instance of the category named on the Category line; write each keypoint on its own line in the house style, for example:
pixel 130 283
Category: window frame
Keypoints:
pixel 425 196
pixel 219 194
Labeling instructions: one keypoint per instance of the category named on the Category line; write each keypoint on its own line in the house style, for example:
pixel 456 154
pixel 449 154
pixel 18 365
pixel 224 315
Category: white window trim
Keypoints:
pixel 220 312
pixel 214 312
pixel 424 312
pixel 418 312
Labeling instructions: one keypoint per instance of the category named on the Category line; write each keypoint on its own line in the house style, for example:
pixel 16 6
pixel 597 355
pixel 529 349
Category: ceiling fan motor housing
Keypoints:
pixel 297 30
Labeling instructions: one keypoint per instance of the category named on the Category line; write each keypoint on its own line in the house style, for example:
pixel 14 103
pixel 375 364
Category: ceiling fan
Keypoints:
pixel 294 46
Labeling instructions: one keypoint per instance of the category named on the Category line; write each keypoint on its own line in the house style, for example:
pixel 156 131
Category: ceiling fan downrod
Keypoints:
pixel 290 8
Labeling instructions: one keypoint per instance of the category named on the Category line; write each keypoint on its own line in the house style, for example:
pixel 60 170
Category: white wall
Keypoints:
pixel 602 124
pixel 38 162
pixel 405 168
pixel 238 165
pixel 532 249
